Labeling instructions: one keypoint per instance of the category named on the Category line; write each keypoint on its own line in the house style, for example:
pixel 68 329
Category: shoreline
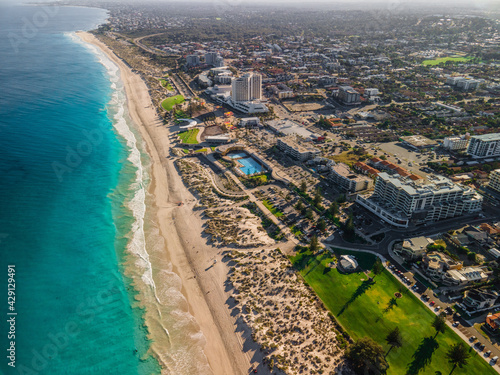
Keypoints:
pixel 188 254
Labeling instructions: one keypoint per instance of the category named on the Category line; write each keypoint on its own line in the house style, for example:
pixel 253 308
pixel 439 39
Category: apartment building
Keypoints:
pixel 297 149
pixel 342 176
pixel 456 143
pixel 483 146
pixel 494 182
pixel 400 200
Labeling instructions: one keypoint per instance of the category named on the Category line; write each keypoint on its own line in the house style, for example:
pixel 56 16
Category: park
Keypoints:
pixel 372 305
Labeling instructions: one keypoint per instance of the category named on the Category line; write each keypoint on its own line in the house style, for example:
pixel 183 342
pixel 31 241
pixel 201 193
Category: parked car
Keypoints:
pixel 494 360
pixel 456 324
pixel 488 353
pixel 472 339
pixel 432 303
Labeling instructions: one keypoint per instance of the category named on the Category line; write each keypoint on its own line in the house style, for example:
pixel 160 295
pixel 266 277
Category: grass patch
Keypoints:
pixel 189 136
pixel 367 307
pixel 346 157
pixel 202 150
pixel 168 104
pixel 296 232
pixel 445 59
pixel 271 208
pixel 185 150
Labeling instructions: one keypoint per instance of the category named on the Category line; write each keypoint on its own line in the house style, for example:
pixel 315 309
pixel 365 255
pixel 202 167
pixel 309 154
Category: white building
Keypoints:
pixel 295 148
pixel 456 143
pixel 371 92
pixel 247 88
pixel 192 60
pixel 348 95
pixel 483 146
pixel 413 248
pixel 494 182
pixel 342 176
pixel 464 276
pixel 400 200
pixel 464 83
pixel 348 263
pixel 210 58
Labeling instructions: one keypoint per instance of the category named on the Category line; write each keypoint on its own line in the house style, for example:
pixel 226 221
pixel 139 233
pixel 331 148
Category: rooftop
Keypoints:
pixel 488 137
pixel 419 141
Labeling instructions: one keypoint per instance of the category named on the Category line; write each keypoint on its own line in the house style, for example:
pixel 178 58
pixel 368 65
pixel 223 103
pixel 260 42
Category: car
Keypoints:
pixel 432 303
pixel 481 347
pixel 494 360
pixel 488 353
pixel 456 324
pixel 472 338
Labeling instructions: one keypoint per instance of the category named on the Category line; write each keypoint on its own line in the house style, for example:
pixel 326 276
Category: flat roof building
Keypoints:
pixel 400 200
pixel 456 143
pixel 418 142
pixel 342 176
pixel 295 148
pixel 494 182
pixel 413 248
pixel 484 146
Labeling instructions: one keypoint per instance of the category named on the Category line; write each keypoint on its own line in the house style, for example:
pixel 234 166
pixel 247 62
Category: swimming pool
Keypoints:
pixel 237 154
pixel 250 166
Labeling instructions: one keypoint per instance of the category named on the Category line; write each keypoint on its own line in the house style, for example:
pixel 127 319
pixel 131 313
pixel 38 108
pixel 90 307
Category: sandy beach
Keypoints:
pixel 181 227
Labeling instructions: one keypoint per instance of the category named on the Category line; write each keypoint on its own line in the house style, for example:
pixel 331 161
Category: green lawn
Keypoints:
pixel 271 208
pixel 366 308
pixel 444 59
pixel 202 150
pixel 189 136
pixel 169 103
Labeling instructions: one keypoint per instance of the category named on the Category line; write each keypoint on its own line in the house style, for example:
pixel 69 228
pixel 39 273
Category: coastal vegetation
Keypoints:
pixel 367 306
pixel 295 331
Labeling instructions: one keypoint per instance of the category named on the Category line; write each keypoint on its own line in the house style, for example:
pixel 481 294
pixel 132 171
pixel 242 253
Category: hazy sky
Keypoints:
pixel 473 4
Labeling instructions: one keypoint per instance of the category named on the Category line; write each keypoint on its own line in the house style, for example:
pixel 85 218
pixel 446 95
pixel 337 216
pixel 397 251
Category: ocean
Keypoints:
pixel 73 198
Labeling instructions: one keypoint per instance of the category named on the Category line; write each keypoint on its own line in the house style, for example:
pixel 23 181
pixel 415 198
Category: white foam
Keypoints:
pixel 171 305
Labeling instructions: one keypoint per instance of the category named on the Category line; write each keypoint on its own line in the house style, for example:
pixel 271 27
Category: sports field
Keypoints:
pixel 444 59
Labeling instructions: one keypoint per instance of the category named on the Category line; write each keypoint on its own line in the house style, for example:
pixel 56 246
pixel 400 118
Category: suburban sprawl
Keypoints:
pixel 345 166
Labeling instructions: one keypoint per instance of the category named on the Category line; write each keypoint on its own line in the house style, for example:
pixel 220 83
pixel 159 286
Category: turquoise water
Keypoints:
pixel 250 166
pixel 69 175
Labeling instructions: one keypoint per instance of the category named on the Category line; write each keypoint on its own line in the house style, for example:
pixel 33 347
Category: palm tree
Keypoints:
pixel 458 356
pixel 394 339
pixel 439 324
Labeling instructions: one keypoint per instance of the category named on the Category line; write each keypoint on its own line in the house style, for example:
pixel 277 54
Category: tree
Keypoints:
pixel 439 324
pixel 378 267
pixel 309 214
pixel 303 186
pixel 334 208
pixel 317 197
pixel 365 355
pixel 314 243
pixel 394 339
pixel 321 225
pixel 299 206
pixel 458 355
